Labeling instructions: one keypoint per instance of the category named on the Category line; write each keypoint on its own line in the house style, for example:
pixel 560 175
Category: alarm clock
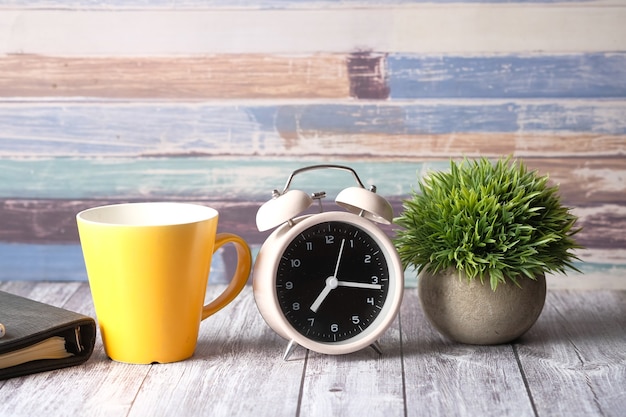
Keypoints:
pixel 331 281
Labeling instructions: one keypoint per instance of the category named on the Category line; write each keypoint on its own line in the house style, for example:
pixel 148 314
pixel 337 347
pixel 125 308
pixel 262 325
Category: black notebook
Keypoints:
pixel 40 337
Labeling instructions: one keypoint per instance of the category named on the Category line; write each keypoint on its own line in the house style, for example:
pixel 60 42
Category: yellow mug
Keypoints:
pixel 148 266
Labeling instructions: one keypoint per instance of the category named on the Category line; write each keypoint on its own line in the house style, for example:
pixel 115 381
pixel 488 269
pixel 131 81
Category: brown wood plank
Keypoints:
pixel 574 358
pixel 187 77
pixel 458 144
pixel 585 181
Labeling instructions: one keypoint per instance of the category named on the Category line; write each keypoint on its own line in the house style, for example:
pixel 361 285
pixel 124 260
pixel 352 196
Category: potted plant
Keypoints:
pixel 482 236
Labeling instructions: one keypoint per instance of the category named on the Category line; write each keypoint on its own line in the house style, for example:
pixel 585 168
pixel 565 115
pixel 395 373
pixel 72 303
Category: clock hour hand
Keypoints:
pixel 331 283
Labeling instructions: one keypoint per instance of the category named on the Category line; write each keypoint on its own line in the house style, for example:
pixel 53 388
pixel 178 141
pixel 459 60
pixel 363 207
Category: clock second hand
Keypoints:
pixel 331 282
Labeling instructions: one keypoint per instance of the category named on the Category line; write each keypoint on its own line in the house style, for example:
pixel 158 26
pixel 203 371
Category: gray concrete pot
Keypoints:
pixel 470 312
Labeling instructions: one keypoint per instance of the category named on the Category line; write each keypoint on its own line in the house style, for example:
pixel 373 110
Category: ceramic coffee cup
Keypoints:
pixel 148 266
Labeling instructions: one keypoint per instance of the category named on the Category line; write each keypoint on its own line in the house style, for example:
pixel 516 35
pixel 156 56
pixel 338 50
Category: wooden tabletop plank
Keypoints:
pixel 100 386
pixel 572 362
pixel 237 369
pixel 574 358
pixel 444 378
pixel 359 384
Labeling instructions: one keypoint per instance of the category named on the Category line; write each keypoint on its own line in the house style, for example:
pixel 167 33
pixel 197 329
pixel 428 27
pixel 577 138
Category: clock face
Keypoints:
pixel 332 281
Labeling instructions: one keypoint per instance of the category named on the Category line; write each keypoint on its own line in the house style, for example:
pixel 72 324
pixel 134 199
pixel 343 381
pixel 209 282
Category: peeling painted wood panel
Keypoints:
pixel 472 28
pixel 438 128
pixel 314 76
pixel 212 102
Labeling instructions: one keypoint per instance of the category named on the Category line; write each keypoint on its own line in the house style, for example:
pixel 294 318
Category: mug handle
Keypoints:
pixel 239 279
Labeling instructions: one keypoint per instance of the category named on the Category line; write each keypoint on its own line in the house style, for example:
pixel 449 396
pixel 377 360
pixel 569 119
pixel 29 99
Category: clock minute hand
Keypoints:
pixel 343 241
pixel 331 282
pixel 359 285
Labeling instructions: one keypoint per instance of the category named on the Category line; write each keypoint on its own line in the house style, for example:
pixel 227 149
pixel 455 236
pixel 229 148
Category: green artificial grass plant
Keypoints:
pixel 494 221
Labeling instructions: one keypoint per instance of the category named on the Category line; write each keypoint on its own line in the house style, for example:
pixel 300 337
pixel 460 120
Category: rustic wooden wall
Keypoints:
pixel 218 101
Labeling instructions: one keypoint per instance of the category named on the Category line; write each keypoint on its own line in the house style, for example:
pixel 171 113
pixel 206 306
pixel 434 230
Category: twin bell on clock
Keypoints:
pixel 332 281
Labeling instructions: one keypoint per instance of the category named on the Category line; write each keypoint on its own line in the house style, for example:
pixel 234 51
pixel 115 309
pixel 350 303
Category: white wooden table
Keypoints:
pixel 571 363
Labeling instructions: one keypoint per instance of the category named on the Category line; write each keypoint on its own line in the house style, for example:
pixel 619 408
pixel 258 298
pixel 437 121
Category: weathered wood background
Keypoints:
pixel 218 101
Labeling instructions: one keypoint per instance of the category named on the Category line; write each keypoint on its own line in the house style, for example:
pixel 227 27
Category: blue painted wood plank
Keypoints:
pixel 594 75
pixel 33 262
pixel 30 262
pixel 129 129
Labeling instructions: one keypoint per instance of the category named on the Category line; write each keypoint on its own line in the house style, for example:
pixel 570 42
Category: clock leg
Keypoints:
pixel 290 348
pixel 376 347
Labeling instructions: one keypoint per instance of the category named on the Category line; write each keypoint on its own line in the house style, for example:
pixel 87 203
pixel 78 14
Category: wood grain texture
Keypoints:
pixel 571 362
pixel 187 77
pixel 104 390
pixel 335 385
pixel 571 359
pixel 237 354
pixel 444 378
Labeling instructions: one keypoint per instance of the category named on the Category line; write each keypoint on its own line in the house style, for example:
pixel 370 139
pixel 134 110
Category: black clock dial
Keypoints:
pixel 332 281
